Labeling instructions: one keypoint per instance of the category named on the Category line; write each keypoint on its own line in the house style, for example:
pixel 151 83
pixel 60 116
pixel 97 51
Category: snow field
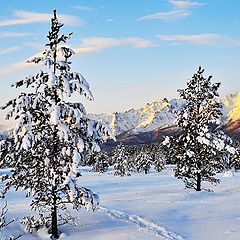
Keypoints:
pixel 147 207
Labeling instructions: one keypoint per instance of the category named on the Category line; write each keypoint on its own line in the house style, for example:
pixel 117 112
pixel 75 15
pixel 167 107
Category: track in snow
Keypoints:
pixel 142 224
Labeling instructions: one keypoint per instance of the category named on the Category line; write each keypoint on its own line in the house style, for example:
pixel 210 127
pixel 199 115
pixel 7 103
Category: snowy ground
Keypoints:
pixel 148 207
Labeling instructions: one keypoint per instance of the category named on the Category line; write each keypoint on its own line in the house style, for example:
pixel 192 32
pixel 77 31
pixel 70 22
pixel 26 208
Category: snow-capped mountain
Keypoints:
pixel 161 115
pixel 157 119
pixel 148 118
pixel 231 109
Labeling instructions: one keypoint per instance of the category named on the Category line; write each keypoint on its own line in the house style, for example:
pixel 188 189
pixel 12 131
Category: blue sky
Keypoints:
pixel 131 51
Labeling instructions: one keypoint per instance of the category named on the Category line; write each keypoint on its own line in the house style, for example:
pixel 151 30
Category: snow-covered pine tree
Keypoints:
pixel 232 161
pixel 90 158
pixel 51 134
pixel 101 163
pixel 132 152
pixel 143 161
pixel 120 161
pixel 158 157
pixel 198 151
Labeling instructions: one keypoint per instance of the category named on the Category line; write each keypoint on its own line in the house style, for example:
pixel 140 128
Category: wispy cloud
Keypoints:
pixel 26 17
pixel 19 66
pixel 97 44
pixel 14 34
pixel 180 9
pixel 185 3
pixel 88 45
pixel 9 50
pixel 13 68
pixel 84 8
pixel 103 7
pixel 34 45
pixel 109 20
pixel 171 15
pixel 202 39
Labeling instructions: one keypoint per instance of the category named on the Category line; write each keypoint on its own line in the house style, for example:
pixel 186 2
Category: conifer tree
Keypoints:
pixel 198 151
pixel 232 161
pixel 158 157
pixel 101 164
pixel 51 134
pixel 132 153
pixel 120 161
pixel 143 161
pixel 90 158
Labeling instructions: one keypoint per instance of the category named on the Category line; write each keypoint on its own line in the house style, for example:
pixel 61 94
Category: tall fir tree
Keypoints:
pixel 51 134
pixel 198 151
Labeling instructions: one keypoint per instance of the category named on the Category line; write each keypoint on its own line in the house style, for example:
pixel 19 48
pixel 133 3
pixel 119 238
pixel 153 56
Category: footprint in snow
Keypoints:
pixel 142 223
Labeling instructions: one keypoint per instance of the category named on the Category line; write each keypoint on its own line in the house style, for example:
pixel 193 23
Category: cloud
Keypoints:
pixel 26 17
pixel 103 7
pixel 171 15
pixel 33 45
pixel 14 34
pixel 84 8
pixel 97 44
pixel 185 3
pixel 180 11
pixel 110 20
pixel 19 66
pixel 88 45
pixel 9 50
pixel 202 39
pixel 13 68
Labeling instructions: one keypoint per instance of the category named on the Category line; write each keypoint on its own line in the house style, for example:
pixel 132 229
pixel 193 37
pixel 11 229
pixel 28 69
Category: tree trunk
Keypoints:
pixel 54 219
pixel 54 216
pixel 198 182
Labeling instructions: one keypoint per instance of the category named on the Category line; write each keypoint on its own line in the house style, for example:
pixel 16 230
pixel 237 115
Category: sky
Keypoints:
pixel 130 51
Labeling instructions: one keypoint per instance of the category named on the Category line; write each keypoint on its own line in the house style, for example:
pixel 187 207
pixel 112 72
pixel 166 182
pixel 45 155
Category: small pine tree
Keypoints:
pixel 132 152
pixel 120 161
pixel 233 160
pixel 198 150
pixel 90 158
pixel 51 134
pixel 101 165
pixel 158 157
pixel 143 161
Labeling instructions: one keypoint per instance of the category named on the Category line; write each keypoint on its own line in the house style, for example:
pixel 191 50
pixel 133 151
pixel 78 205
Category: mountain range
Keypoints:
pixel 157 119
